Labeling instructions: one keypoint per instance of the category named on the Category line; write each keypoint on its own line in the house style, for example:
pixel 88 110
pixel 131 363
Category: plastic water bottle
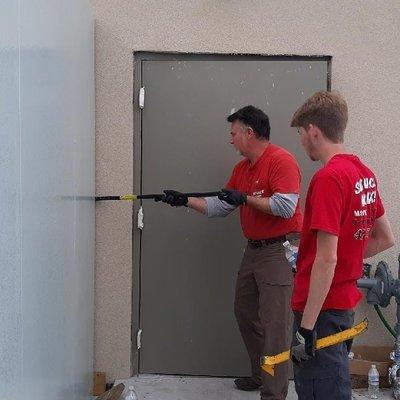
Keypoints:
pixel 373 382
pixel 291 254
pixel 131 394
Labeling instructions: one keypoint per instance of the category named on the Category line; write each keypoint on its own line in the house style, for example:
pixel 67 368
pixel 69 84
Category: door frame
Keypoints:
pixel 138 58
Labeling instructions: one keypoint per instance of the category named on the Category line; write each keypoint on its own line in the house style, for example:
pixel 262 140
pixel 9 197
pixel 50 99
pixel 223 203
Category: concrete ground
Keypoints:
pixel 161 387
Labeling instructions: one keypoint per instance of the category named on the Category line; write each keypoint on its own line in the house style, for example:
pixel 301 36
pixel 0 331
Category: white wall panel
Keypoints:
pixel 47 210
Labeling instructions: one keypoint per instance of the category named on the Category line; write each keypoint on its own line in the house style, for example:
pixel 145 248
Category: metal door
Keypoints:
pixel 187 263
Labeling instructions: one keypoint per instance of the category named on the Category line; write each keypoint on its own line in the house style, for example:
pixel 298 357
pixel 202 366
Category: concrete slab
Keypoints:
pixel 362 394
pixel 161 387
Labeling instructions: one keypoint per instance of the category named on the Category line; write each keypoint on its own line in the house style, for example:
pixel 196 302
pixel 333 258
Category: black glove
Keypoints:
pixel 233 197
pixel 159 197
pixel 174 198
pixel 303 346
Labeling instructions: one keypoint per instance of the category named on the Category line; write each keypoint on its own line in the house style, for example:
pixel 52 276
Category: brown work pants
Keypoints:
pixel 262 309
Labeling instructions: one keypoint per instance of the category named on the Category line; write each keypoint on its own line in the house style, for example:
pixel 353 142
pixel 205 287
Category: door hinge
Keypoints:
pixel 139 339
pixel 141 98
pixel 140 223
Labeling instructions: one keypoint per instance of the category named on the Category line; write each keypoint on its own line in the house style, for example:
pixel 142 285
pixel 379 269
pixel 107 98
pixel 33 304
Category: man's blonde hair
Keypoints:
pixel 327 111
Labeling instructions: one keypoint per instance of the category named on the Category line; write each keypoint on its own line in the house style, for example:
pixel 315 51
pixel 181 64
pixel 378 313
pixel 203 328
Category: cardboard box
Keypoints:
pixel 364 357
pixel 99 383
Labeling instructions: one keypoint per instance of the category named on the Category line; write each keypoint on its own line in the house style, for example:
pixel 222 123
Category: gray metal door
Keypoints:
pixel 187 262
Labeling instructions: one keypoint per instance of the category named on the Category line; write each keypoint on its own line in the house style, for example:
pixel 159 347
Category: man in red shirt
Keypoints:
pixel 344 222
pixel 265 185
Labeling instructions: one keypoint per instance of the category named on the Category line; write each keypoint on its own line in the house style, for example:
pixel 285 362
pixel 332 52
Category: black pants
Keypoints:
pixel 326 376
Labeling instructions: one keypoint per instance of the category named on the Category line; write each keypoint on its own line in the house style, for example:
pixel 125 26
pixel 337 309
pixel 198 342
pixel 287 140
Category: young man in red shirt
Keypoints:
pixel 344 222
pixel 265 185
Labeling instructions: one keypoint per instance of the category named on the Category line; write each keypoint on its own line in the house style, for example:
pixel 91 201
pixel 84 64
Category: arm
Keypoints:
pixel 381 237
pixel 279 204
pixel 210 206
pixel 259 203
pixel 197 203
pixel 322 274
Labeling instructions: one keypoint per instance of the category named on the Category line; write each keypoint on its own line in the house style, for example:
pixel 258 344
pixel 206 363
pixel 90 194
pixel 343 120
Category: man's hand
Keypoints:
pixel 233 197
pixel 174 198
pixel 303 346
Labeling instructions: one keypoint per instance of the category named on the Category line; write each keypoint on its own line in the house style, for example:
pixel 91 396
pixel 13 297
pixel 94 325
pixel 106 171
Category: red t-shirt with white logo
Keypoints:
pixel 276 171
pixel 343 200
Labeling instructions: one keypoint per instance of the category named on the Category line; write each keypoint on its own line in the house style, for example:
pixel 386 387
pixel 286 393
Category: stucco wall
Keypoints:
pixel 363 38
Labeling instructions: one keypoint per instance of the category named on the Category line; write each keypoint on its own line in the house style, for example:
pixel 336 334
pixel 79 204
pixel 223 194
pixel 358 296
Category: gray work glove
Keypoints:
pixel 233 197
pixel 174 198
pixel 303 346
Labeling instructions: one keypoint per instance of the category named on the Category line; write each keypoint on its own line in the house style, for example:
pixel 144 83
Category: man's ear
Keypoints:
pixel 315 131
pixel 250 132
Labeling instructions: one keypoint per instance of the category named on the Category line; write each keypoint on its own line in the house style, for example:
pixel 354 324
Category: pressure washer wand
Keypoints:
pixel 132 197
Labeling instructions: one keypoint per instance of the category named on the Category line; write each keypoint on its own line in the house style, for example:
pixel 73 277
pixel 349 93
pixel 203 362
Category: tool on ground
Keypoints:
pixel 113 394
pixel 132 197
pixel 268 362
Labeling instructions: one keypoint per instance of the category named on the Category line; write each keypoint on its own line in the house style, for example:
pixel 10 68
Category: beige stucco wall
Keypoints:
pixel 363 38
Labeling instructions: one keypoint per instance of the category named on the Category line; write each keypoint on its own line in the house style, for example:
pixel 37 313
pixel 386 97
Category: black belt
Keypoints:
pixel 255 244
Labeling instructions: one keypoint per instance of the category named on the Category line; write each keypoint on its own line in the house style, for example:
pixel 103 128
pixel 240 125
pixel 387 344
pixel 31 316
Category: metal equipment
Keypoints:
pixel 381 288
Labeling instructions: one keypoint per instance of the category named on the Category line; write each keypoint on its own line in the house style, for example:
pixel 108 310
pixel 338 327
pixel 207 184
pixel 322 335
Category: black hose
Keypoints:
pixel 388 327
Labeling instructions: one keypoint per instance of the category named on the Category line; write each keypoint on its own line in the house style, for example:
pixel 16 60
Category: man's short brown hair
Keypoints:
pixel 328 111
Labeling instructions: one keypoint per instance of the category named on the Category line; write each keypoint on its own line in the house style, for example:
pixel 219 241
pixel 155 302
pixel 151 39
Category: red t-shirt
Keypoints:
pixel 276 171
pixel 343 200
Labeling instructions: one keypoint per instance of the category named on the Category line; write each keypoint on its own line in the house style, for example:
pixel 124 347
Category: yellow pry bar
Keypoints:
pixel 268 362
pixel 129 197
